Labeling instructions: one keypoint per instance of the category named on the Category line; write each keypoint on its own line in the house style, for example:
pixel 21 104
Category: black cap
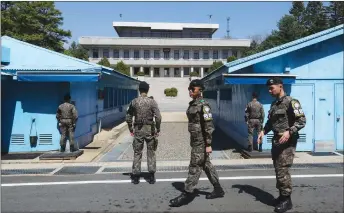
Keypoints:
pixel 196 83
pixel 274 81
pixel 67 97
pixel 144 85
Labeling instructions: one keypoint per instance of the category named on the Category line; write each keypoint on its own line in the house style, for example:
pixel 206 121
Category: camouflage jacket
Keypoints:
pixel 144 109
pixel 254 110
pixel 200 124
pixel 285 114
pixel 67 111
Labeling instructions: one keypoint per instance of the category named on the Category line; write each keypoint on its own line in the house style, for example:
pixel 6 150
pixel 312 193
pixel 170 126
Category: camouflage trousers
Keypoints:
pixel 283 158
pixel 253 124
pixel 67 130
pixel 200 161
pixel 142 134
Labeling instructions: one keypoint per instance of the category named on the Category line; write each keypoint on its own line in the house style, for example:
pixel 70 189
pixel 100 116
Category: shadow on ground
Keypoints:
pixel 260 195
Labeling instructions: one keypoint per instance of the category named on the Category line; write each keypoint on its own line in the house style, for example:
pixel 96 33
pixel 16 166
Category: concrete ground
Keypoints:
pixel 314 190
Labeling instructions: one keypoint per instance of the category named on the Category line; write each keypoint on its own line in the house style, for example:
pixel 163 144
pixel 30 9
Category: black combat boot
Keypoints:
pixel 151 179
pixel 260 148
pixel 249 148
pixel 182 199
pixel 73 149
pixel 216 193
pixel 135 179
pixel 284 205
pixel 63 149
pixel 277 200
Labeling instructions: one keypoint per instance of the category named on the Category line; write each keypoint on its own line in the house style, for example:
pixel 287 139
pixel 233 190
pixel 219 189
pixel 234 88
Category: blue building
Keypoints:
pixel 312 70
pixel 33 83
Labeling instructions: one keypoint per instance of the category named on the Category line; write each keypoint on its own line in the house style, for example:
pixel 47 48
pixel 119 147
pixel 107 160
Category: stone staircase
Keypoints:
pixel 169 104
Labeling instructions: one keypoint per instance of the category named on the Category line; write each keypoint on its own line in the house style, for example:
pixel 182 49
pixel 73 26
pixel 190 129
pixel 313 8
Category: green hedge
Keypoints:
pixel 194 74
pixel 171 92
pixel 140 74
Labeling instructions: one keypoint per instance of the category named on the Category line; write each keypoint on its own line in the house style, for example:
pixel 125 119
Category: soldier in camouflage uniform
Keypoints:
pixel 67 116
pixel 154 132
pixel 254 117
pixel 144 109
pixel 285 119
pixel 201 128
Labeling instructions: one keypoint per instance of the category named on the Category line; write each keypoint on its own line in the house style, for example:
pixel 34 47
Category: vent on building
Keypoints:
pixel 17 139
pixel 302 138
pixel 45 139
pixel 269 137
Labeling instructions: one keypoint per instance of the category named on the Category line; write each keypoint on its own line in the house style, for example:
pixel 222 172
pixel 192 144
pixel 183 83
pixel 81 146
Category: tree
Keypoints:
pixel 104 62
pixel 315 19
pixel 289 29
pixel 231 58
pixel 77 51
pixel 215 65
pixel 335 13
pixel 35 22
pixel 122 68
pixel 298 11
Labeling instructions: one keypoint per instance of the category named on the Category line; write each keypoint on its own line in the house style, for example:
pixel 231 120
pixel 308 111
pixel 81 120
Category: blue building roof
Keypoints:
pixel 25 58
pixel 277 51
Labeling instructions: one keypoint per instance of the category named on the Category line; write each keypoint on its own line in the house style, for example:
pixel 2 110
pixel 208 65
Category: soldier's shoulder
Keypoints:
pixel 291 100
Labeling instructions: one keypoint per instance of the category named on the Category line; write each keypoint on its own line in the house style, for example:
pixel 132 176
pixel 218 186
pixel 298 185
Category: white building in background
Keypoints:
pixel 164 49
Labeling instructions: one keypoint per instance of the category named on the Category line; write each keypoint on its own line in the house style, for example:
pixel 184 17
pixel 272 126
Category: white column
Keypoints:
pixel 182 72
pixel 191 70
pixel 202 72
pixel 171 72
pixel 131 71
pixel 162 73
pixel 141 69
pixel 152 72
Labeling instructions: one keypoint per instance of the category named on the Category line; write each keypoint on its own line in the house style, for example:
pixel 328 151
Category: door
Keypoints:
pixel 305 94
pixel 339 116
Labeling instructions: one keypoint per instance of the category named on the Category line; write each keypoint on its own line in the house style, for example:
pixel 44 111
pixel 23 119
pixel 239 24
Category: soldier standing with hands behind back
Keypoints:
pixel 67 115
pixel 201 128
pixel 254 117
pixel 285 119
pixel 143 109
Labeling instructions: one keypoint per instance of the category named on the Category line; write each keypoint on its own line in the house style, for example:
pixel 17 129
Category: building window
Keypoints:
pixel 115 53
pixel 146 54
pixel 186 71
pixel 95 53
pixel 176 72
pixel 166 55
pixel 156 54
pixel 186 54
pixel 224 54
pixel 176 54
pixel 215 54
pixel 156 72
pixel 196 54
pixel 235 53
pixel 106 53
pixel 126 54
pixel 136 54
pixel 205 54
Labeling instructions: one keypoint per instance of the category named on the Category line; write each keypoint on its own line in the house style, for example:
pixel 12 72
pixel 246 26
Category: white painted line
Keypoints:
pixel 161 180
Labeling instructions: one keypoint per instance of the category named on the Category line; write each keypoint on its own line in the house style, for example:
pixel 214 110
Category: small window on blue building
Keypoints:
pixel 226 94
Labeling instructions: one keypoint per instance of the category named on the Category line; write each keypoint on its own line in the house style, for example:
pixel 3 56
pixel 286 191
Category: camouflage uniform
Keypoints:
pixel 285 114
pixel 254 115
pixel 144 109
pixel 67 116
pixel 201 128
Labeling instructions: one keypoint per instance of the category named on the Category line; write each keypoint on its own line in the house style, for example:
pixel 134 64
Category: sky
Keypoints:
pixel 246 18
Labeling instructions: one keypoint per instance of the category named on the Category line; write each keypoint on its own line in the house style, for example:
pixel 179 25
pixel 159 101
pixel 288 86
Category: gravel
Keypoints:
pixel 174 144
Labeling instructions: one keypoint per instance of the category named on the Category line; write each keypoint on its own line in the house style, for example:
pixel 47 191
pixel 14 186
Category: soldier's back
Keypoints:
pixel 66 110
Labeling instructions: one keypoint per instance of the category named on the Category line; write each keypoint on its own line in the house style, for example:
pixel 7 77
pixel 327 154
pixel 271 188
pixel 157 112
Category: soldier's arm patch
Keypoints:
pixel 297 109
pixel 207 114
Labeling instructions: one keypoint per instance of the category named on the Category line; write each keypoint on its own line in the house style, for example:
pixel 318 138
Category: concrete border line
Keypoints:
pixel 337 153
pixel 100 170
pixel 56 170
